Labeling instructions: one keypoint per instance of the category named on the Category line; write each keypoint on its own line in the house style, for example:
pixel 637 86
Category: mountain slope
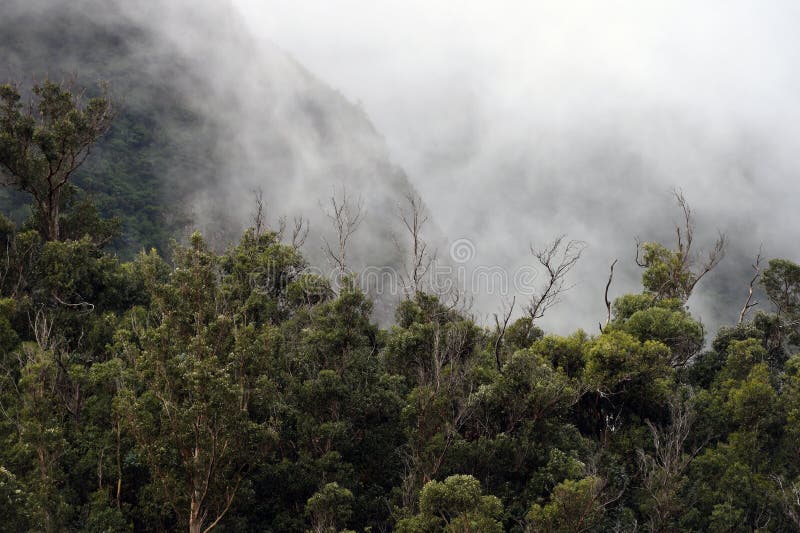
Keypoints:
pixel 207 117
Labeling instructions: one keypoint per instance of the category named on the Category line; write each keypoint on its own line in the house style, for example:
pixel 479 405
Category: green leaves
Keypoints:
pixel 456 505
pixel 330 508
pixel 41 146
pixel 781 281
pixel 574 506
pixel 666 274
pixel 189 411
pixel 616 359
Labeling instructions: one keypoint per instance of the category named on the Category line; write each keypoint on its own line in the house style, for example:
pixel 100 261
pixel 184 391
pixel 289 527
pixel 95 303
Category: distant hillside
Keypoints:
pixel 207 118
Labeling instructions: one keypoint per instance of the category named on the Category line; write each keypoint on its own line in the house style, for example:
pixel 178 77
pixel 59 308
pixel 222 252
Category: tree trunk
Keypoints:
pixel 195 517
pixel 50 214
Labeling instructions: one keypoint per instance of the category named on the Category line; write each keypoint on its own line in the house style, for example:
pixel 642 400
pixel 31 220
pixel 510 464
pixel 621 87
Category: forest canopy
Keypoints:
pixel 234 390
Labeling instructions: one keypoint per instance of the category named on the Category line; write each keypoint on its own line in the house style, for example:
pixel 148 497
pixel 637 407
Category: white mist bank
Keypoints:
pixel 519 121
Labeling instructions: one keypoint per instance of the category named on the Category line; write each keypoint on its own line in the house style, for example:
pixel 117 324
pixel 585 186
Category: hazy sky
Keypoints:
pixel 421 67
pixel 521 120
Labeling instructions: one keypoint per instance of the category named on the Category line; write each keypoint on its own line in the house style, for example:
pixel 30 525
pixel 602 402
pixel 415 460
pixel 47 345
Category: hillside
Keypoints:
pixel 198 132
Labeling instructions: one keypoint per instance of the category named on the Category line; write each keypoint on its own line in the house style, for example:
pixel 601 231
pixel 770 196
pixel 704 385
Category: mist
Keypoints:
pixel 521 121
pixel 226 119
pixel 515 123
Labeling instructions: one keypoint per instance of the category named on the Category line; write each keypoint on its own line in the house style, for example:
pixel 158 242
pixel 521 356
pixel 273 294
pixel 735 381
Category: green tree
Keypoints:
pixel 43 143
pixel 188 412
pixel 454 505
pixel 574 506
pixel 781 281
pixel 329 508
pixel 673 273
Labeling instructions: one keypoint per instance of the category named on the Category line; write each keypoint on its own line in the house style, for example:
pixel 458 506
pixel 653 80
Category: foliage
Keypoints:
pixel 235 390
pixel 455 504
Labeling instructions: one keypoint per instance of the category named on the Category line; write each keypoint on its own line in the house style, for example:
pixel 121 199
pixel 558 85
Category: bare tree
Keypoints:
pixel 749 303
pixel 685 238
pixel 414 217
pixel 299 232
pixel 500 329
pixel 557 258
pixel 790 499
pixel 345 215
pixel 662 472
pixel 608 286
pixel 258 214
pixel 443 374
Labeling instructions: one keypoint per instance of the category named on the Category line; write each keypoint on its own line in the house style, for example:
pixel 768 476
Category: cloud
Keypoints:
pixel 516 121
pixel 519 121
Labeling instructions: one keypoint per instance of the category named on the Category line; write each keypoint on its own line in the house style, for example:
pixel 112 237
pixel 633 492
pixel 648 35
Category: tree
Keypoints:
pixel 675 273
pixel 574 506
pixel 40 421
pixel 528 391
pixel 665 320
pixel 189 413
pixel 557 261
pixel 43 143
pixel 346 216
pixel 329 508
pixel 419 259
pixel 455 505
pixel 663 471
pixel 781 282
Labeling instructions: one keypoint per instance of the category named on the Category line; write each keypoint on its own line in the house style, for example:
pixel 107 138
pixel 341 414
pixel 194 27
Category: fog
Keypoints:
pixel 518 121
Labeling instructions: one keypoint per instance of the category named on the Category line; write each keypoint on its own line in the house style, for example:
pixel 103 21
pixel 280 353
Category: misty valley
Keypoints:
pixel 232 299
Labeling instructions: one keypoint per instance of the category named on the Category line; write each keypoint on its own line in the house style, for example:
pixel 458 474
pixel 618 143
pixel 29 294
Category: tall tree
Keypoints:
pixel 43 142
pixel 190 416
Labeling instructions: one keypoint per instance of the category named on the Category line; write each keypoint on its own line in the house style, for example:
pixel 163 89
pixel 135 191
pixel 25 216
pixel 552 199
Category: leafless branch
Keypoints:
pixel 557 259
pixel 258 214
pixel 419 260
pixel 749 303
pixel 662 472
pixel 639 262
pixel 85 307
pixel 345 215
pixel 790 499
pixel 683 272
pixel 501 329
pixel 299 232
pixel 684 231
pixel 716 255
pixel 685 236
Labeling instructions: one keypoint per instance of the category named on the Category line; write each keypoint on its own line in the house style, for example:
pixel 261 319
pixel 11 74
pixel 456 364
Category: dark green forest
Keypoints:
pixel 186 387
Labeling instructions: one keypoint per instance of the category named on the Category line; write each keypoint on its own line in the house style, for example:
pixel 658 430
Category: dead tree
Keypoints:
pixel 345 215
pixel 790 499
pixel 663 471
pixel 258 213
pixel 419 260
pixel 299 224
pixel 608 286
pixel 557 258
pixel 299 232
pixel 749 303
pixel 442 376
pixel 500 329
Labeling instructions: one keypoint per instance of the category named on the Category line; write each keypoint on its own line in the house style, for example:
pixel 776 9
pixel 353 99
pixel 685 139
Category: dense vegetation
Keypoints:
pixel 236 391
